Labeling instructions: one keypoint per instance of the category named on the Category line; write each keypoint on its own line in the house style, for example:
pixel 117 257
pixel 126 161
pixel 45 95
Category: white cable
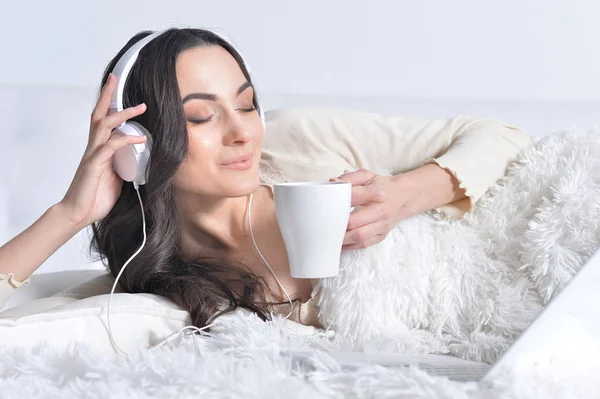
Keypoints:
pixel 264 260
pixel 170 337
pixel 175 334
pixel 112 341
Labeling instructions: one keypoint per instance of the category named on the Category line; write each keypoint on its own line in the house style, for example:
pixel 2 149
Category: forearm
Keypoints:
pixel 428 187
pixel 26 252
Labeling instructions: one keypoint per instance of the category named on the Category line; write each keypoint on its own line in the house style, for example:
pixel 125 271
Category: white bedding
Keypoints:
pixel 556 212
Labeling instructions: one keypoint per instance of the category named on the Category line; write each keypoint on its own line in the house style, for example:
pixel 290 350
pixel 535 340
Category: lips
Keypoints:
pixel 237 159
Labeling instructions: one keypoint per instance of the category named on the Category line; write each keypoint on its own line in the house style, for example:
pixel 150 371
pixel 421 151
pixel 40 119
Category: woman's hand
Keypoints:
pixel 385 200
pixel 96 187
pixel 382 202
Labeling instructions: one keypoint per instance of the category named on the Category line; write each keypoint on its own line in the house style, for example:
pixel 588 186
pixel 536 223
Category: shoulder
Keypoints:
pixel 269 175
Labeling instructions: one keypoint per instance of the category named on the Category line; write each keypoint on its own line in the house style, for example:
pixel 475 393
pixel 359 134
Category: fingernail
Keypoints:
pixel 142 105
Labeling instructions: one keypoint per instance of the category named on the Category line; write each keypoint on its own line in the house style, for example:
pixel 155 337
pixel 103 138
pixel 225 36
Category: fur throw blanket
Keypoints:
pixel 470 287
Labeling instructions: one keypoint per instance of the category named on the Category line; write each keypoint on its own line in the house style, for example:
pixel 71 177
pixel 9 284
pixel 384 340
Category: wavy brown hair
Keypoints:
pixel 206 287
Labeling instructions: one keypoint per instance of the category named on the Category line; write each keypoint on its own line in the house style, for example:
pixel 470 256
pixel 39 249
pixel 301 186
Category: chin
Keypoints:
pixel 243 184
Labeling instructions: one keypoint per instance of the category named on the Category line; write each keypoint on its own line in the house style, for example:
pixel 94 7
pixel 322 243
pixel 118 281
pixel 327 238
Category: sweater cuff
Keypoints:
pixel 458 208
pixel 478 159
pixel 13 281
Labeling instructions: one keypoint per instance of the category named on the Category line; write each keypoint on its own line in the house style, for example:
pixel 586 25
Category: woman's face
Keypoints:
pixel 222 124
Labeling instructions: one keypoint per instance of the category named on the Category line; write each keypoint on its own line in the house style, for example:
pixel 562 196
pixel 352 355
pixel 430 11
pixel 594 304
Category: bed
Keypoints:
pixel 54 132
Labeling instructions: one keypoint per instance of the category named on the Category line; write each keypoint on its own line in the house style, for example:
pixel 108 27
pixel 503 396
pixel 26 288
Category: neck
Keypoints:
pixel 214 223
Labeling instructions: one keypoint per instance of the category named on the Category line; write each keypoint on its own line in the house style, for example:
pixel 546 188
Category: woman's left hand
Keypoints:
pixel 382 204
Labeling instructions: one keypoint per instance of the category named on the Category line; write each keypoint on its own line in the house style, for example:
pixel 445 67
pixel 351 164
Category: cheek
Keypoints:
pixel 203 147
pixel 198 163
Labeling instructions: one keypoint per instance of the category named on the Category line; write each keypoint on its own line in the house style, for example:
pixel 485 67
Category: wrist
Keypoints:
pixel 427 187
pixel 447 184
pixel 408 191
pixel 62 215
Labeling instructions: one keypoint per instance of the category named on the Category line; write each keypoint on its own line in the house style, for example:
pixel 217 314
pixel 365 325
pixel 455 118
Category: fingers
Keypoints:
pixel 101 133
pixel 367 214
pixel 364 235
pixel 114 120
pixel 364 195
pixel 359 177
pixel 102 124
pixel 364 187
pixel 372 241
pixel 103 104
pixel 116 142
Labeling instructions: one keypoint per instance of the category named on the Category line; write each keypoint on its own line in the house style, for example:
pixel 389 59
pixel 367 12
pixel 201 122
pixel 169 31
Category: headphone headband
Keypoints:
pixel 123 67
pixel 127 60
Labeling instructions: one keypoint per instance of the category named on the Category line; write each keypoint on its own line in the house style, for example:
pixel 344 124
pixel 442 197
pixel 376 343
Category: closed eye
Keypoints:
pixel 203 121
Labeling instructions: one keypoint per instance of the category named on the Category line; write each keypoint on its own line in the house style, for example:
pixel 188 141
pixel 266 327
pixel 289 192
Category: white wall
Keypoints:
pixel 522 49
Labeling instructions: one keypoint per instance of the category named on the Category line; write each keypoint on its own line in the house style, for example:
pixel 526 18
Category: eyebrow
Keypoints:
pixel 213 97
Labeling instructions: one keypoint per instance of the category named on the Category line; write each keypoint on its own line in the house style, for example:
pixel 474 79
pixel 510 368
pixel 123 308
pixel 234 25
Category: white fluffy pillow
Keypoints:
pixel 78 314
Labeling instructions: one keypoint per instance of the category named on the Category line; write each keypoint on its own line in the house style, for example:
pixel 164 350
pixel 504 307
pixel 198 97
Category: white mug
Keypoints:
pixel 313 218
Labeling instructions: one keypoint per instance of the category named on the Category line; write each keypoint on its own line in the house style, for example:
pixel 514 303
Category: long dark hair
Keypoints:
pixel 206 287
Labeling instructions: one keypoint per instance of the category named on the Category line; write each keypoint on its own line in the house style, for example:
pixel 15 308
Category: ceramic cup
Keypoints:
pixel 313 218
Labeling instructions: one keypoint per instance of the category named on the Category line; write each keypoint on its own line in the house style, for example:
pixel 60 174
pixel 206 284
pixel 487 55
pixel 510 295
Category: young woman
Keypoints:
pixel 192 91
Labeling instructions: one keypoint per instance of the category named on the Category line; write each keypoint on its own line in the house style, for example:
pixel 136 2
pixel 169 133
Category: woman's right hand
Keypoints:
pixel 96 187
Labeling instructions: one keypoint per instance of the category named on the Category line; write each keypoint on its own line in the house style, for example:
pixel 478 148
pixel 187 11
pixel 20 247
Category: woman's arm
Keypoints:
pixel 478 155
pixel 302 142
pixel 22 255
pixel 92 194
pixel 431 187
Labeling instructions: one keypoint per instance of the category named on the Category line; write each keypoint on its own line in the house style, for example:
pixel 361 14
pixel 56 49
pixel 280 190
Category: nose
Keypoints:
pixel 237 129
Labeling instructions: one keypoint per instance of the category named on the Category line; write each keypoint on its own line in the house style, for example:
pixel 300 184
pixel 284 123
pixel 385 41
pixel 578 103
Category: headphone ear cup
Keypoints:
pixel 141 131
pixel 130 162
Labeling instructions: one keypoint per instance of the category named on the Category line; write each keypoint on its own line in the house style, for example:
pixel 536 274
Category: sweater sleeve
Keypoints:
pixel 476 151
pixel 8 285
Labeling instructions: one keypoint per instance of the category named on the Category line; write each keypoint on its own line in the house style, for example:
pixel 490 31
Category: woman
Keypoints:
pixel 199 252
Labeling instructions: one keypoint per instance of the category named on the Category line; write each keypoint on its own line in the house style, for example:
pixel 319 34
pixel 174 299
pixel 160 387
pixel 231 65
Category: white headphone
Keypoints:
pixel 130 162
